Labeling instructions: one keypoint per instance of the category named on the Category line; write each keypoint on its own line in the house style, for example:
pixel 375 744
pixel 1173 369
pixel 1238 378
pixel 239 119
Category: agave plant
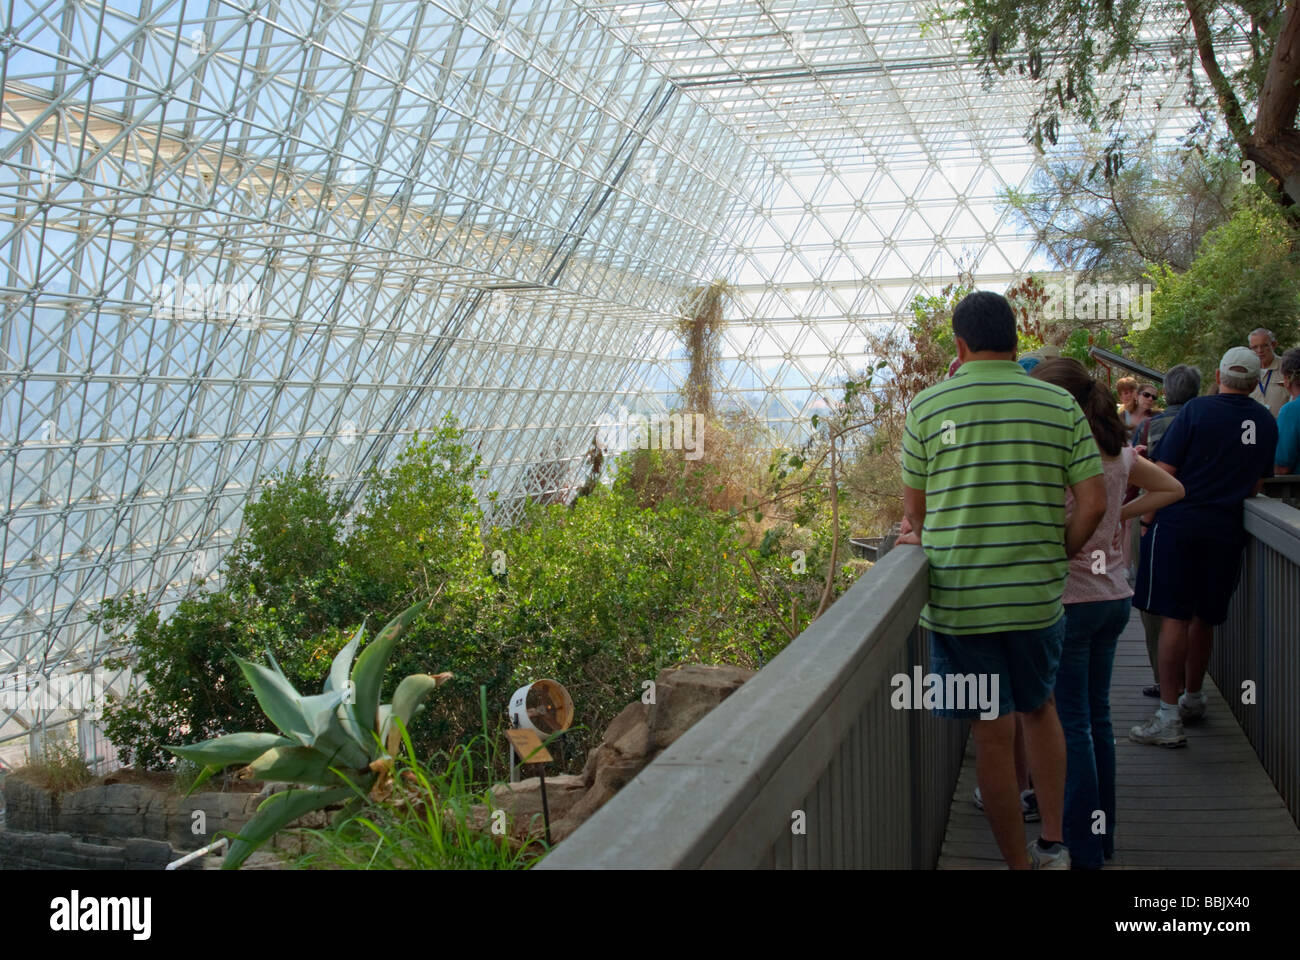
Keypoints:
pixel 334 747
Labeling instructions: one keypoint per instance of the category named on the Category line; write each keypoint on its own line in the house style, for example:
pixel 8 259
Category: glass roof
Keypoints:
pixel 236 235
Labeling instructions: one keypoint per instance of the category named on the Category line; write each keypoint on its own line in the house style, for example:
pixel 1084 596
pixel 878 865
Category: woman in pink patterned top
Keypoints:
pixel 1097 601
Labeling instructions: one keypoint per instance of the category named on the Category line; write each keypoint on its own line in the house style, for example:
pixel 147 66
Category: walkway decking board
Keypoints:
pixel 1209 805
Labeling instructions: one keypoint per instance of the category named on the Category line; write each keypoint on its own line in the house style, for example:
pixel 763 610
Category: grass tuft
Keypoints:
pixel 60 768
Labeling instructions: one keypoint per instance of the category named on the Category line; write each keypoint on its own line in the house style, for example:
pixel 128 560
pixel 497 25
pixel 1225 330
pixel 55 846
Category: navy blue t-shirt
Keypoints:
pixel 1221 446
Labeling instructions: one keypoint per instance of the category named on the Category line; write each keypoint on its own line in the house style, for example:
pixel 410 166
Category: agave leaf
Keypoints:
pixel 275 664
pixel 385 724
pixel 201 779
pixel 329 735
pixel 318 710
pixel 347 811
pixel 341 668
pixel 368 672
pixel 278 699
pixel 275 812
pixel 221 752
pixel 348 722
pixel 407 702
pixel 295 765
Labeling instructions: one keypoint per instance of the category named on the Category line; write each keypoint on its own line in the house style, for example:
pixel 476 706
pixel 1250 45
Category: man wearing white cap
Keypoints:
pixel 1221 447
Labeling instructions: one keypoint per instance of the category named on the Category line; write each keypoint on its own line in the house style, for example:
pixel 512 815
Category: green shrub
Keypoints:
pixel 1244 276
pixel 599 596
pixel 298 586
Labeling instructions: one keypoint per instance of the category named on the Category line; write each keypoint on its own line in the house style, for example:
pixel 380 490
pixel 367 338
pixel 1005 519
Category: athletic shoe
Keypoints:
pixel 1056 858
pixel 1190 711
pixel 1151 691
pixel 1028 805
pixel 1168 733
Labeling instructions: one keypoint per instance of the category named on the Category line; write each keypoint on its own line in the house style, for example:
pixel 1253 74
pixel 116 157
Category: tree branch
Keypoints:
pixel 1223 91
pixel 1279 98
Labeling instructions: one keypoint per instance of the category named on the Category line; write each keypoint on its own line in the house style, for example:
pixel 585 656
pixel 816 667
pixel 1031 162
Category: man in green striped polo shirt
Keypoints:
pixel 987 455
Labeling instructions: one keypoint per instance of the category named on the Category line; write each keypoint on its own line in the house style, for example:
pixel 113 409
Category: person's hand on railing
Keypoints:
pixel 907 535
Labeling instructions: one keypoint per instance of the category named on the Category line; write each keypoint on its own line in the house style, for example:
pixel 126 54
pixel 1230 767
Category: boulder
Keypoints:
pixel 683 696
pixel 522 802
pixel 641 732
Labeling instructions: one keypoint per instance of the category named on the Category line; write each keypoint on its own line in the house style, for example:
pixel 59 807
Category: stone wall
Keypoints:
pixel 127 810
pixel 20 850
pixel 113 825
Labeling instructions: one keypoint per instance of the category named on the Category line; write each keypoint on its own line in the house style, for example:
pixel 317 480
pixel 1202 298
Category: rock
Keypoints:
pixel 683 696
pixel 641 732
pixel 628 735
pixel 522 801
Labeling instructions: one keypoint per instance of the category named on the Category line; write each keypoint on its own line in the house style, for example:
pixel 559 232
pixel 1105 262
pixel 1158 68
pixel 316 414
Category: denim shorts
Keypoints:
pixel 1024 662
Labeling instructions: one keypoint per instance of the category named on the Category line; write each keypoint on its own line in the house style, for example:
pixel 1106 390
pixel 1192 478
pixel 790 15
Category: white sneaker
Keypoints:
pixel 1057 859
pixel 1166 733
pixel 1191 711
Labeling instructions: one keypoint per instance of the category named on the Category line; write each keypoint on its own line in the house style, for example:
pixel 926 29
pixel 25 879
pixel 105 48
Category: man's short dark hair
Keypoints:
pixel 986 322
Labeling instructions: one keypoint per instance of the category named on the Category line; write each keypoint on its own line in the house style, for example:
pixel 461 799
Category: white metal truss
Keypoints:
pixel 238 234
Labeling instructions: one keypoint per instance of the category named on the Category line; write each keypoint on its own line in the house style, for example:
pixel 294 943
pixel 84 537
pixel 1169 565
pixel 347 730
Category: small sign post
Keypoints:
pixel 530 748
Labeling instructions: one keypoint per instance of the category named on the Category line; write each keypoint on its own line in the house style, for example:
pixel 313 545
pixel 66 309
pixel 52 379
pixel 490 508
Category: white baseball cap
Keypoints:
pixel 1239 362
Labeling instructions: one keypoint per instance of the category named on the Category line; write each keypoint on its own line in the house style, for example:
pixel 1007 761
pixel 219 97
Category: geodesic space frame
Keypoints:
pixel 238 234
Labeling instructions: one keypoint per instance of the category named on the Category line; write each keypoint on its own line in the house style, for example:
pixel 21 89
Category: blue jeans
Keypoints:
pixel 1083 704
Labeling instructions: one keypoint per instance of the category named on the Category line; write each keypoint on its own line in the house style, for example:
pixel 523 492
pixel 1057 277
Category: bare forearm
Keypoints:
pixel 914 514
pixel 1148 503
pixel 1080 528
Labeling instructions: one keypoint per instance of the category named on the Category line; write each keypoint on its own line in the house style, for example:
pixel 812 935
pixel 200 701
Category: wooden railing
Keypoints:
pixel 1256 656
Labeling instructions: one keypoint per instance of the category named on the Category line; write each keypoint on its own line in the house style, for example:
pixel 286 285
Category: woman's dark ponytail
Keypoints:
pixel 1094 397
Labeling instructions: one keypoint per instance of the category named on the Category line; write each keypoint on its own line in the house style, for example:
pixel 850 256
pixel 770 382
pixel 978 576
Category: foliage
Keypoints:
pixel 1110 223
pixel 1064 47
pixel 60 768
pixel 930 345
pixel 677 560
pixel 724 472
pixel 1245 276
pixel 603 595
pixel 1076 347
pixel 418 524
pixel 331 747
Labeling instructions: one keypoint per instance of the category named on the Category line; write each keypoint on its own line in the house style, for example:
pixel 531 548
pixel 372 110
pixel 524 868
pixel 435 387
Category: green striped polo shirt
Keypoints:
pixel 994 450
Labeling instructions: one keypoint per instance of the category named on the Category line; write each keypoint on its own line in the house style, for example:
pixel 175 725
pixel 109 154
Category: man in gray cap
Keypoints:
pixel 1221 447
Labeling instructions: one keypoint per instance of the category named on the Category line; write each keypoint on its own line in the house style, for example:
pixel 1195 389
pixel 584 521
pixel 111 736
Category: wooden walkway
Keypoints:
pixel 1208 805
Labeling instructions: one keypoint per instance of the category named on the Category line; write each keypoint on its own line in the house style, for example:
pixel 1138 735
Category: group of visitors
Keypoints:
pixel 1137 403
pixel 1020 480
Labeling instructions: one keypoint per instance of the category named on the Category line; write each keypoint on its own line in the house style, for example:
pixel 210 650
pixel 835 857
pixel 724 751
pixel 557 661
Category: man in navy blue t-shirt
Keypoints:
pixel 1221 448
